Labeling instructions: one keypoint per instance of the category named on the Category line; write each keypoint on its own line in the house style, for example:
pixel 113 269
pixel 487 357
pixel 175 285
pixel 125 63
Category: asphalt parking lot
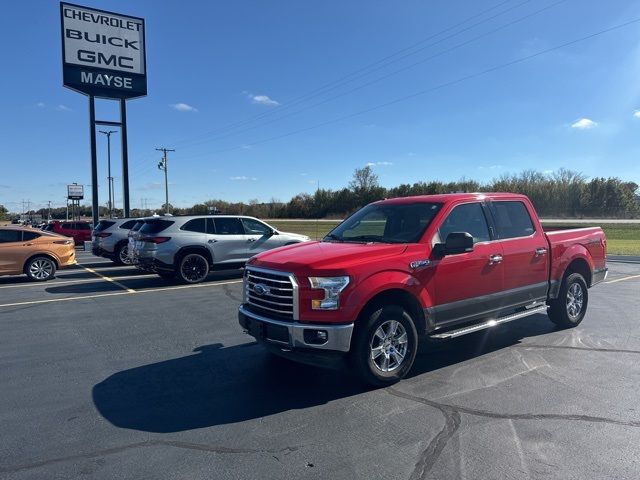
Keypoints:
pixel 109 373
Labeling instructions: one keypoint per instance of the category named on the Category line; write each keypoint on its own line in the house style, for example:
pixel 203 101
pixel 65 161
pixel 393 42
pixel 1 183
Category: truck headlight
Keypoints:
pixel 332 287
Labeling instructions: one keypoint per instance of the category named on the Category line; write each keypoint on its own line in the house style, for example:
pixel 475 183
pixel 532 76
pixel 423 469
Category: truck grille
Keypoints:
pixel 271 293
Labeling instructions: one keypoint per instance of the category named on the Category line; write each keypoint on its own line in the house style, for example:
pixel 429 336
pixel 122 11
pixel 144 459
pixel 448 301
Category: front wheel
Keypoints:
pixel 570 307
pixel 193 268
pixel 384 346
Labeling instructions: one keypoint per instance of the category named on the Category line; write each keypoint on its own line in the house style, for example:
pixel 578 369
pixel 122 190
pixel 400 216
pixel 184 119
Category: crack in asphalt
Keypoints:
pixel 569 347
pixel 148 443
pixel 229 294
pixel 452 423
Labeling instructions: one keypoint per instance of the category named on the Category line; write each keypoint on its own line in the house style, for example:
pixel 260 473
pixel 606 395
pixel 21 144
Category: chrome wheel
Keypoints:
pixel 575 300
pixel 194 268
pixel 388 347
pixel 41 269
pixel 123 255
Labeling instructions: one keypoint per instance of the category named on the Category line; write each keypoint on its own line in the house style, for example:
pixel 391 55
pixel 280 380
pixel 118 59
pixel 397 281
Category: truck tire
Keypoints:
pixel 192 268
pixel 384 346
pixel 40 269
pixel 570 307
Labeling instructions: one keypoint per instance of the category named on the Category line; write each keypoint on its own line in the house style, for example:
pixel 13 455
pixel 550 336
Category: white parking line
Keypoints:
pixel 116 294
pixel 68 282
pixel 109 279
pixel 631 277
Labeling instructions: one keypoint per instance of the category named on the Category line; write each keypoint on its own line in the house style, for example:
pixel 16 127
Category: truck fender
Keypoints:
pixel 579 258
pixel 395 286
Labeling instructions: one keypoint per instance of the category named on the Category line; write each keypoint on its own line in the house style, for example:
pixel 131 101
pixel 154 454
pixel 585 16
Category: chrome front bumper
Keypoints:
pixel 338 336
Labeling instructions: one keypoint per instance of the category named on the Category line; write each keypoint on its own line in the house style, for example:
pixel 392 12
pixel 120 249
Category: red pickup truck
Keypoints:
pixel 399 270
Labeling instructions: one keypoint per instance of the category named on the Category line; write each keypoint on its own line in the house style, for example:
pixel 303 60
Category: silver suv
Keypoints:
pixel 189 247
pixel 110 239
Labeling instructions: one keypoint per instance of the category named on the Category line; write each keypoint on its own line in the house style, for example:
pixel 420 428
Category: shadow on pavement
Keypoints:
pixel 218 385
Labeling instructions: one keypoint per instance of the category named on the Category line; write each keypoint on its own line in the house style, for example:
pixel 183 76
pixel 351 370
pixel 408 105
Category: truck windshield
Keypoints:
pixel 386 223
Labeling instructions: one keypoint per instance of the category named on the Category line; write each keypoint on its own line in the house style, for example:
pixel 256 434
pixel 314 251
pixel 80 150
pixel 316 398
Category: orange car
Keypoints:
pixel 33 252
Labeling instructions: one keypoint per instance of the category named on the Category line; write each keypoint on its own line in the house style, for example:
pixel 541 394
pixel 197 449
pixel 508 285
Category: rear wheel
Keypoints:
pixel 40 269
pixel 384 346
pixel 122 255
pixel 193 268
pixel 570 307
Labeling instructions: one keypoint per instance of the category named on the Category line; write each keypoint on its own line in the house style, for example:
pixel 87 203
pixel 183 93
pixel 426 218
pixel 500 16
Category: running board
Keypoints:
pixel 490 323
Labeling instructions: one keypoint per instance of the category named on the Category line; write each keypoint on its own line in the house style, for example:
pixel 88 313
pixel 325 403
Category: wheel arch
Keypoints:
pixel 42 254
pixel 402 298
pixel 204 251
pixel 581 266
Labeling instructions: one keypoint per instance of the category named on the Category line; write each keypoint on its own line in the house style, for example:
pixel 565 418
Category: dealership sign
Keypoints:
pixel 103 53
pixel 75 192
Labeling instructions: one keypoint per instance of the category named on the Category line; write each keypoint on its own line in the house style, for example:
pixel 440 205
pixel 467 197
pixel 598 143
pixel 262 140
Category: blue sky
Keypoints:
pixel 213 65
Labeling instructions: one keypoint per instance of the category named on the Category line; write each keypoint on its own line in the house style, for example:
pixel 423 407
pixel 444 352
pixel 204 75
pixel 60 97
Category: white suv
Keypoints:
pixel 190 247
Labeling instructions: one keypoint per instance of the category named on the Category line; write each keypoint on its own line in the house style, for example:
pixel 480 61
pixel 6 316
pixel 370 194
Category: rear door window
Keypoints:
pixel 196 225
pixel 83 226
pixel 29 236
pixel 228 226
pixel 8 236
pixel 67 226
pixel 127 225
pixel 152 227
pixel 512 219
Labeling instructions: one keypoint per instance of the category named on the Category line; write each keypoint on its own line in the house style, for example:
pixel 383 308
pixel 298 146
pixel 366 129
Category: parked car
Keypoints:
pixel 189 247
pixel 437 266
pixel 110 239
pixel 80 231
pixel 37 254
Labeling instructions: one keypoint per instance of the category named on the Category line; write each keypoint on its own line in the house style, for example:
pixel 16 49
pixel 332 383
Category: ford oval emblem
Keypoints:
pixel 261 289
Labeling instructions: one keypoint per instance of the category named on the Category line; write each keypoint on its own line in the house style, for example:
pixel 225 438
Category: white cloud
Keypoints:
pixel 636 114
pixel 376 164
pixel 584 124
pixel 304 174
pixel 243 178
pixel 63 108
pixel 41 105
pixel 263 100
pixel 183 107
pixel 490 167
pixel 245 147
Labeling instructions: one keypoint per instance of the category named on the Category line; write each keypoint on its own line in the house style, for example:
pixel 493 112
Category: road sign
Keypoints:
pixel 75 192
pixel 103 53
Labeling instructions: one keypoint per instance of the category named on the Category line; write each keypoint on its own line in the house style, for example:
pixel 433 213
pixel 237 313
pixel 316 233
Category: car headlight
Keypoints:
pixel 332 287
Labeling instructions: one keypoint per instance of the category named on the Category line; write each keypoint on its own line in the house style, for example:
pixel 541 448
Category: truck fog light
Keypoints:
pixel 315 337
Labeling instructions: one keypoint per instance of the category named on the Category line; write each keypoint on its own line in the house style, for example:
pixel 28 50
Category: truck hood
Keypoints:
pixel 324 256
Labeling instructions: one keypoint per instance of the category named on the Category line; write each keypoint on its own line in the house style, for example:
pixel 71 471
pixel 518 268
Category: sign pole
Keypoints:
pixel 125 157
pixel 94 160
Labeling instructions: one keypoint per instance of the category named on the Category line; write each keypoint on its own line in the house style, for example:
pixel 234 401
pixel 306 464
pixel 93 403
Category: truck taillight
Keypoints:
pixel 155 240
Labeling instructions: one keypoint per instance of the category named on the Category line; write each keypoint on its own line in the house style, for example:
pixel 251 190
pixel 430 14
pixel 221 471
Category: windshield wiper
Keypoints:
pixel 331 236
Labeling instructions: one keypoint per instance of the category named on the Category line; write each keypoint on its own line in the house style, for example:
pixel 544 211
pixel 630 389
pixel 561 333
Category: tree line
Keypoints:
pixel 563 193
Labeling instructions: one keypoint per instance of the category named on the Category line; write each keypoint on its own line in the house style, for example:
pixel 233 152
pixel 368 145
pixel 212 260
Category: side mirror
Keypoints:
pixel 458 242
pixel 273 232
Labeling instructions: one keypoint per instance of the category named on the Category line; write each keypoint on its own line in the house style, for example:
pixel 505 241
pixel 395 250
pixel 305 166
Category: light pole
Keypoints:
pixel 109 177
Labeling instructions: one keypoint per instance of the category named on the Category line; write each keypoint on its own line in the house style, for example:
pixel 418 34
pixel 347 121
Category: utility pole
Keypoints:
pixel 109 177
pixel 49 215
pixel 162 165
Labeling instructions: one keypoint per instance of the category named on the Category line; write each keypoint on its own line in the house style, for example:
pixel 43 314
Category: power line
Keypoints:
pixel 366 70
pixel 432 89
pixel 389 74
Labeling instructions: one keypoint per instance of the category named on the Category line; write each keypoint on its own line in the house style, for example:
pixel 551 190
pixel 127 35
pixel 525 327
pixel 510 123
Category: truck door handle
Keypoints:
pixel 493 259
pixel 212 241
pixel 251 240
pixel 540 252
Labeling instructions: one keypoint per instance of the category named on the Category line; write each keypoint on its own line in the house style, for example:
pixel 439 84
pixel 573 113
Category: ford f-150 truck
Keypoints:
pixel 402 269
